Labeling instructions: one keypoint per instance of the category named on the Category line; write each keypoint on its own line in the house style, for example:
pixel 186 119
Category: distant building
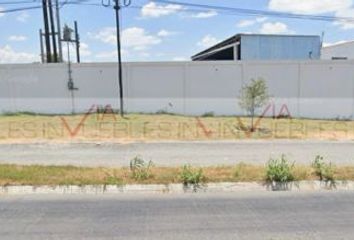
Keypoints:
pixel 263 47
pixel 339 51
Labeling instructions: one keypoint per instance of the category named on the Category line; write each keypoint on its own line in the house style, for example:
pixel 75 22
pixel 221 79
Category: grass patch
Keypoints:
pixel 69 175
pixel 325 171
pixel 140 169
pixel 191 176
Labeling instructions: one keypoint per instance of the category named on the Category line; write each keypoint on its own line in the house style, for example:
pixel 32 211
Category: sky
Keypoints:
pixel 153 31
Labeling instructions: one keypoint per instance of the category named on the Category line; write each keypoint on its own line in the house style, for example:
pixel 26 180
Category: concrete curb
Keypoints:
pixel 180 188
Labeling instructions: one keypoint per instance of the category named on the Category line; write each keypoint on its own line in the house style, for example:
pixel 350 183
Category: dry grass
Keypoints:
pixel 68 175
pixel 143 127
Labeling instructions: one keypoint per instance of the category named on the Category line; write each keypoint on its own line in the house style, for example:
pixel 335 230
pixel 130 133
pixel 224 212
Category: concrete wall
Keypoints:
pixel 315 89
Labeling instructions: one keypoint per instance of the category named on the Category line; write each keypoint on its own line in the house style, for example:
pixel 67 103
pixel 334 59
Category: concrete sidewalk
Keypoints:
pixel 177 153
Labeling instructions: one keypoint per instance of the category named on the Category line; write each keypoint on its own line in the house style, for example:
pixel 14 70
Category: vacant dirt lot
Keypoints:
pixel 141 127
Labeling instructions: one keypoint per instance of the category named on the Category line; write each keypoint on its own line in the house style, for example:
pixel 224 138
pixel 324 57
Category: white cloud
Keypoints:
pixel 250 22
pixel 207 41
pixel 23 17
pixel 106 35
pixel 134 37
pixel 340 8
pixel 346 25
pixel 309 6
pixel 208 14
pixel 165 33
pixel 179 59
pixel 107 55
pixel 2 9
pixel 138 38
pixel 245 23
pixel 275 28
pixel 8 55
pixel 17 38
pixel 85 50
pixel 135 42
pixel 261 19
pixel 154 10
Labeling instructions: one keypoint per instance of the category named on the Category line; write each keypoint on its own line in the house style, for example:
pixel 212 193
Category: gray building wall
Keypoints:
pixel 274 47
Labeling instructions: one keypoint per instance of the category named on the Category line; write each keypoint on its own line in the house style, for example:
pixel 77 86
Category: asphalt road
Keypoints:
pixel 179 217
pixel 177 153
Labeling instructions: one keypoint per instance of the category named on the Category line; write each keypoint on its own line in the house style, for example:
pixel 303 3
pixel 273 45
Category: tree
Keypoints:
pixel 254 96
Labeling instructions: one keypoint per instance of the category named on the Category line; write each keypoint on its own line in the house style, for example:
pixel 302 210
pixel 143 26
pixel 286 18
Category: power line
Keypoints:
pixel 193 8
pixel 254 12
pixel 20 9
pixel 66 2
pixel 18 2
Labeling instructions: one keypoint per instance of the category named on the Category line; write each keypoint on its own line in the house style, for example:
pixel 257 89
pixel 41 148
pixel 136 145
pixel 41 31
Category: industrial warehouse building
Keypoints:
pixel 338 51
pixel 263 47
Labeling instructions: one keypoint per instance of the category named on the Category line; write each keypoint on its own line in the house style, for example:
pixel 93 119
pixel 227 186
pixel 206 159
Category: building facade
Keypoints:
pixel 263 47
pixel 339 51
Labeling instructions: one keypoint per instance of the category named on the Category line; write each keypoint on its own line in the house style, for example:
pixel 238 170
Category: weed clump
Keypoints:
pixel 325 171
pixel 279 170
pixel 140 169
pixel 191 176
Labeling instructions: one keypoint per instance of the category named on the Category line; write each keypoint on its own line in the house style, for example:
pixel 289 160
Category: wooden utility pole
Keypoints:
pixel 42 47
pixel 53 32
pixel 120 74
pixel 77 42
pixel 46 31
pixel 59 31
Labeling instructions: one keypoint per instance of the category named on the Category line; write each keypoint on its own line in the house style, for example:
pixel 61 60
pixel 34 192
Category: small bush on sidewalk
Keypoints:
pixel 191 176
pixel 279 170
pixel 325 171
pixel 140 169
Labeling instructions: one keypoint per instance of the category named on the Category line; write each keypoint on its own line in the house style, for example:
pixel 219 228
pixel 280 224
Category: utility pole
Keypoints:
pixel 46 31
pixel 77 42
pixel 71 86
pixel 59 31
pixel 54 41
pixel 41 42
pixel 120 74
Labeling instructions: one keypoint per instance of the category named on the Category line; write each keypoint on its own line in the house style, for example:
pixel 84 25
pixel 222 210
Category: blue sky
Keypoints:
pixel 152 31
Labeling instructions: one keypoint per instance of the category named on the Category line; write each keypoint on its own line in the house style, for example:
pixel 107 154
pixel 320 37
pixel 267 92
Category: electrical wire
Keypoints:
pixel 190 7
pixel 62 4
pixel 254 12
pixel 17 2
pixel 20 9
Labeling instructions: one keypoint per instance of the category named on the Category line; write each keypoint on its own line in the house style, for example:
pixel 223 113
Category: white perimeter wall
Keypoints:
pixel 314 89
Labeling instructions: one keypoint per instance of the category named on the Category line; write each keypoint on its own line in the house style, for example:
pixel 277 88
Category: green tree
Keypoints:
pixel 253 96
